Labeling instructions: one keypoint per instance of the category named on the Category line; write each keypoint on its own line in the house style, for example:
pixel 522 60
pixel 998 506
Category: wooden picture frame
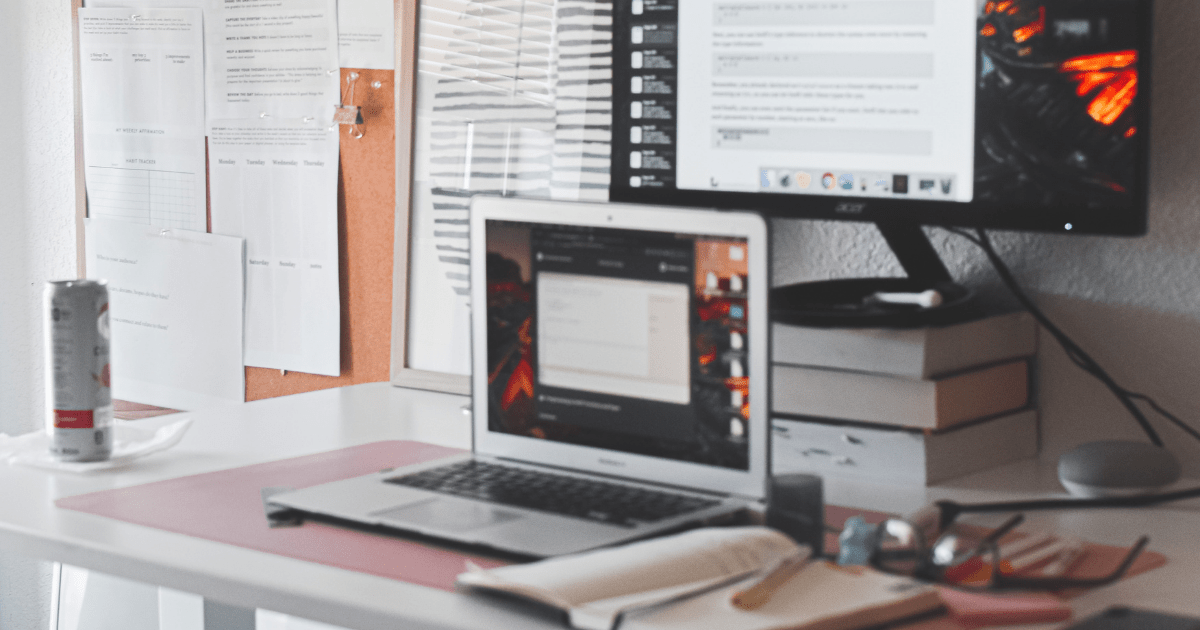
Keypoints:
pixel 486 107
pixel 80 191
pixel 402 375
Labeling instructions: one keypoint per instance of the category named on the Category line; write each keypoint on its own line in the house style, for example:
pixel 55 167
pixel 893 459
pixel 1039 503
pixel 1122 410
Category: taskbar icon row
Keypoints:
pixel 816 181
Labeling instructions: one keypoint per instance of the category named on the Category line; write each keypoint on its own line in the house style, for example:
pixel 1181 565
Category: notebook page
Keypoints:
pixel 694 556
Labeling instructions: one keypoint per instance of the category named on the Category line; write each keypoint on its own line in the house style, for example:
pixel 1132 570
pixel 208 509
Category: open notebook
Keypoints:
pixel 688 579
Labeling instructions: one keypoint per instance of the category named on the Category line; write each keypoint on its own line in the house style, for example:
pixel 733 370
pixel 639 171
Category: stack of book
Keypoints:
pixel 903 406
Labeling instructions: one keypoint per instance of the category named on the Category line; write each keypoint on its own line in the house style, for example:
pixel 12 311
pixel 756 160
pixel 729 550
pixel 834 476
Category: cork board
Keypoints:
pixel 366 225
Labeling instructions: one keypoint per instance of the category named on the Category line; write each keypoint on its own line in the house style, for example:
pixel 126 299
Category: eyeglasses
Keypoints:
pixel 956 555
pixel 1002 580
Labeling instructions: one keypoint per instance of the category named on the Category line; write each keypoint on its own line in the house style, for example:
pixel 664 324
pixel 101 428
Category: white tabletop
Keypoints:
pixel 303 424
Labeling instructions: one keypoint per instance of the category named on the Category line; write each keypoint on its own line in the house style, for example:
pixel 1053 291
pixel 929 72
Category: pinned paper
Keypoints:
pixel 175 298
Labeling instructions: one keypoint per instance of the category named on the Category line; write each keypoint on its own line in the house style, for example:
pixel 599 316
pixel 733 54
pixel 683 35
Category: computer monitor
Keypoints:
pixel 1011 114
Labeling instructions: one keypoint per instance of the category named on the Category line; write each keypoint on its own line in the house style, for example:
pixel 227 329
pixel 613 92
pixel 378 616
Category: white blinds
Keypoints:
pixel 515 98
pixel 502 44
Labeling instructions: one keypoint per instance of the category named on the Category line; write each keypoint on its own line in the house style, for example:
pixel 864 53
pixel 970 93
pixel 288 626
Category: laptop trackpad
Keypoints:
pixel 448 515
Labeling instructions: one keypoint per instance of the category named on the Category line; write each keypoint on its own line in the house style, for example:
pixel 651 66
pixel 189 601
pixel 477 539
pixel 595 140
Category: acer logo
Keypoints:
pixel 612 462
pixel 849 207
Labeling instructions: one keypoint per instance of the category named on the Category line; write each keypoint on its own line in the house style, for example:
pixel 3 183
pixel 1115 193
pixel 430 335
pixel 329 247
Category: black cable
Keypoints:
pixel 1166 414
pixel 951 509
pixel 1074 352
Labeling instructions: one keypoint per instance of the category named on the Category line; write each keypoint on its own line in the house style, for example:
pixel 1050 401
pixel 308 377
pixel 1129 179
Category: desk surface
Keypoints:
pixel 308 423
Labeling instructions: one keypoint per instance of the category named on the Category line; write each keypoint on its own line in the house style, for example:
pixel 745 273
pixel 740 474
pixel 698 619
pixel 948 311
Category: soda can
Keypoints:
pixel 79 409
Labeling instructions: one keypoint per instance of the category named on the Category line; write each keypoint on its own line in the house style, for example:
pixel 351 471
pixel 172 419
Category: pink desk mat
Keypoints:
pixel 226 506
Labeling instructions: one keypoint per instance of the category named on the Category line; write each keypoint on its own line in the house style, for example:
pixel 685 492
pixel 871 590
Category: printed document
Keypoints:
pixel 367 34
pixel 266 58
pixel 142 74
pixel 273 58
pixel 275 184
pixel 175 298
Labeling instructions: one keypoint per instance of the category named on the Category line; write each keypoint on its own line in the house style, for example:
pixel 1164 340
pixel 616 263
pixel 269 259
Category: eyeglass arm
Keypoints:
pixel 950 510
pixel 999 580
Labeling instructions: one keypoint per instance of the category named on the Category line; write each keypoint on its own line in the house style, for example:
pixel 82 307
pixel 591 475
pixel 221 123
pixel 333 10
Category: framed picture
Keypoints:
pixel 508 97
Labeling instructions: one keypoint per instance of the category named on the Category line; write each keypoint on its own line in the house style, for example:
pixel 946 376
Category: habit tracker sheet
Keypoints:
pixel 142 73
pixel 275 184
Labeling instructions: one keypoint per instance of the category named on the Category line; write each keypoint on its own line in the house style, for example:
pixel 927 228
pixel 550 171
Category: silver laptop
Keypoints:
pixel 619 383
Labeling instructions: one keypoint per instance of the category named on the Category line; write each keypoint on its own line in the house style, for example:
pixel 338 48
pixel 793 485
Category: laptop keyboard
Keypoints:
pixel 559 494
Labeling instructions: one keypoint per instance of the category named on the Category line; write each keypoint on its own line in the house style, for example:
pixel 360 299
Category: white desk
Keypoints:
pixel 273 429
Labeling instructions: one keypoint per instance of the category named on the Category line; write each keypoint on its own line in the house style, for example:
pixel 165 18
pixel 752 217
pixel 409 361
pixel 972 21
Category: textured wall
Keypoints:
pixel 37 201
pixel 1133 303
pixel 36 239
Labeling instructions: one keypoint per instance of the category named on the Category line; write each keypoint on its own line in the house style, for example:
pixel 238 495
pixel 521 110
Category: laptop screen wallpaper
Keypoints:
pixel 628 340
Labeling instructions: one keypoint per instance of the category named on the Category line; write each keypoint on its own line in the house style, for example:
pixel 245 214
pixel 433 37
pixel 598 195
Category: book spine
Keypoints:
pixel 896 352
pixel 881 399
pixel 900 457
pixel 910 353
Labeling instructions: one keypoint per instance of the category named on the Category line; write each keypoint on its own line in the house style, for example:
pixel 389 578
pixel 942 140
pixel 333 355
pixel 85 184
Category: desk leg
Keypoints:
pixel 178 610
pixel 55 593
pixel 88 600
pixel 218 616
pixel 271 620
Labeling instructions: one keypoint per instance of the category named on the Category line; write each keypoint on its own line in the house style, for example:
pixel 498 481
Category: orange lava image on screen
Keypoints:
pixel 1113 75
pixel 1037 27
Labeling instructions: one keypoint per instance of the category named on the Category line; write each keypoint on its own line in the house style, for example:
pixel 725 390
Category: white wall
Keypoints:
pixel 36 238
pixel 1134 304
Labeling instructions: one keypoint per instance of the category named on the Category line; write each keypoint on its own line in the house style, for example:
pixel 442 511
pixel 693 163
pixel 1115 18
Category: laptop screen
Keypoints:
pixel 628 340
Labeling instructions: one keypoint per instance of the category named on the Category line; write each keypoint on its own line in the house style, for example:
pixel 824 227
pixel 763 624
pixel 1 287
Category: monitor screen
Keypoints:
pixel 1013 113
pixel 628 340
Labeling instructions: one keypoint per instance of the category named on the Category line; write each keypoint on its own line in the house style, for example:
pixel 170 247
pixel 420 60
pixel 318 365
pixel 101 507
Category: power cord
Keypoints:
pixel 1077 355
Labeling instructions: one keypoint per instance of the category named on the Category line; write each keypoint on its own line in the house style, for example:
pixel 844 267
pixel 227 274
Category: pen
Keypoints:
pixel 1065 560
pixel 1039 555
pixel 761 591
pixel 1024 545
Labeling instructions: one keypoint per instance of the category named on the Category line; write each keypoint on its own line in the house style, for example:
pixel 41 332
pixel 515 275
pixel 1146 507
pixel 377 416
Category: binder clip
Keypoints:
pixel 348 113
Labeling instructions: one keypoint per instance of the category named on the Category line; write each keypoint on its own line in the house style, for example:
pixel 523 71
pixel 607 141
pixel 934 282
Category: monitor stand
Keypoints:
pixel 852 303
